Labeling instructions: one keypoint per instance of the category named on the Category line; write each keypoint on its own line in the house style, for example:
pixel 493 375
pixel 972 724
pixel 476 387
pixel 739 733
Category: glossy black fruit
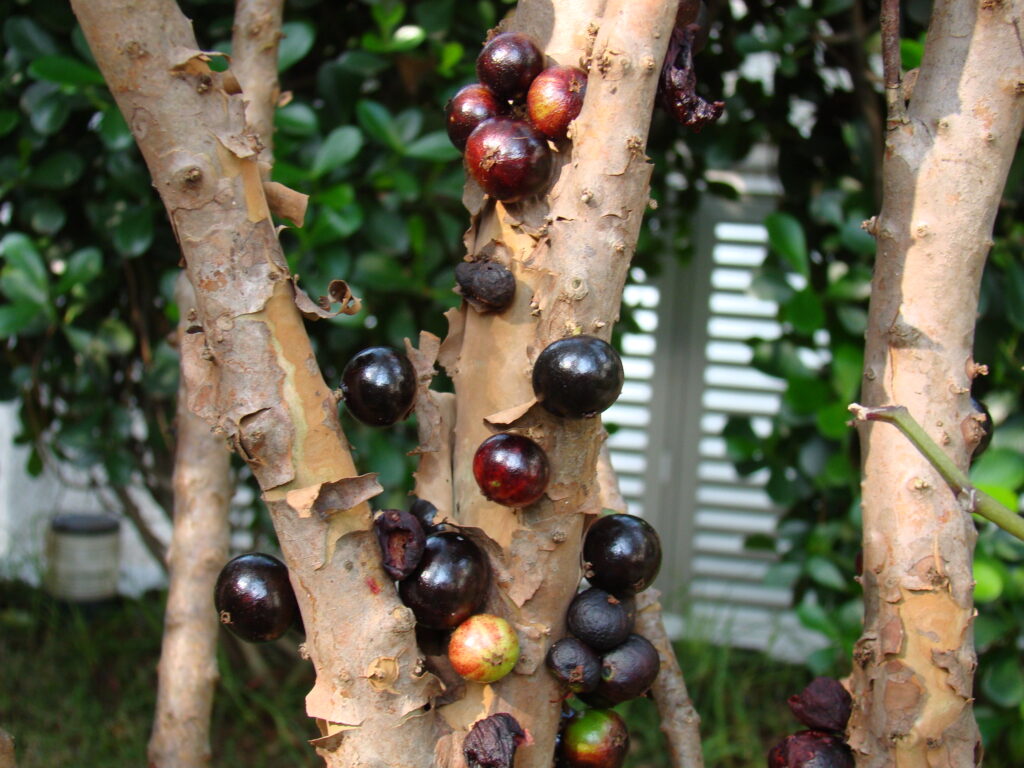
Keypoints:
pixel 597 738
pixel 426 513
pixel 575 665
pixel 577 377
pixel 508 64
pixel 254 597
pixel 622 554
pixel 508 158
pixel 511 469
pixel 467 109
pixel 600 619
pixel 628 670
pixel 555 99
pixel 379 386
pixel 450 583
pixel 810 749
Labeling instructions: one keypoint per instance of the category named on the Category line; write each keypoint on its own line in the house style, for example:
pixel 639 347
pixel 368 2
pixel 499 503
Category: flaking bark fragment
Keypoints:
pixel 338 292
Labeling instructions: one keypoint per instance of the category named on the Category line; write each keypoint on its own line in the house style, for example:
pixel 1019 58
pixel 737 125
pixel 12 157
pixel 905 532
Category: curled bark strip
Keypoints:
pixel 509 416
pixel 286 203
pixel 338 293
pixel 679 719
pixel 333 498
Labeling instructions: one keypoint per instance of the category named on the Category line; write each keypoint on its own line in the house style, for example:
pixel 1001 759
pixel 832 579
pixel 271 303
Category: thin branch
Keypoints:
pixel 254 43
pixel 131 510
pixel 679 719
pixel 976 500
pixel 892 62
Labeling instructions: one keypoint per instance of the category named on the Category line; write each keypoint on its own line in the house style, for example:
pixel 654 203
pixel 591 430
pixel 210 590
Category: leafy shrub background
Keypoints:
pixel 89 260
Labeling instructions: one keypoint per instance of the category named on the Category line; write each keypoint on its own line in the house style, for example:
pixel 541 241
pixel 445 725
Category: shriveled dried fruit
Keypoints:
pixel 810 749
pixel 401 540
pixel 487 285
pixel 492 742
pixel 824 705
pixel 677 88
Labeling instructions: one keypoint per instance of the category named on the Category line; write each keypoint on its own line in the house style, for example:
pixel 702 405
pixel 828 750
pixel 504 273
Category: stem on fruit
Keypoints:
pixel 973 499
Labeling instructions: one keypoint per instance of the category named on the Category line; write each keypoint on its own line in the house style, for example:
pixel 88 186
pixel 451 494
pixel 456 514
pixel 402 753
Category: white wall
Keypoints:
pixel 27 504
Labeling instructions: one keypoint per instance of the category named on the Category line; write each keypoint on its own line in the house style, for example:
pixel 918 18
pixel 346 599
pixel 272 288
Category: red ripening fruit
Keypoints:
pixel 467 109
pixel 484 648
pixel 511 469
pixel 508 158
pixel 508 64
pixel 555 99
pixel 810 749
pixel 597 738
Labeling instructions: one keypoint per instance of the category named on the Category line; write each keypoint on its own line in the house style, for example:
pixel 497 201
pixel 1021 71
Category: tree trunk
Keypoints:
pixel 946 160
pixel 199 548
pixel 251 372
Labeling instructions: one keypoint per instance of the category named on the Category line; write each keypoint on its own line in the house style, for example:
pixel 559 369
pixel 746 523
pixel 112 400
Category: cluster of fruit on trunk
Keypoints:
pixel 503 123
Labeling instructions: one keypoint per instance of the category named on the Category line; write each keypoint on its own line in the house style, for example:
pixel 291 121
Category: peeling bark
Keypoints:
pixel 187 673
pixel 569 253
pixel 252 374
pixel 946 160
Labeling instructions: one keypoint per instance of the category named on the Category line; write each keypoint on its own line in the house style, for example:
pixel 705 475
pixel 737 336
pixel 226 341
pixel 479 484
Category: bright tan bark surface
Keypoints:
pixel 945 166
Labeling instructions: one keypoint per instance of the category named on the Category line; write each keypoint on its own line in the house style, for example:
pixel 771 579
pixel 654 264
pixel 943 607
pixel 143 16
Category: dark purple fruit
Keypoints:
pixel 628 670
pixel 555 99
pixel 575 665
pixel 379 386
pixel 600 619
pixel 450 584
pixel 577 377
pixel 401 539
pixel 426 513
pixel 622 554
pixel 487 286
pixel 824 705
pixel 508 64
pixel 810 749
pixel 254 597
pixel 986 428
pixel 508 158
pixel 597 738
pixel 511 469
pixel 492 742
pixel 467 109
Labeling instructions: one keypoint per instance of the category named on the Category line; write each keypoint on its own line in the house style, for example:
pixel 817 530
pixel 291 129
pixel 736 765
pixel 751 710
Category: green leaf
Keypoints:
pixel 1003 681
pixel 83 266
pixel 45 215
pixel 911 52
pixel 23 278
pixel 64 70
pixel 114 337
pixel 340 147
pixel 47 108
pixel 853 236
pixel 806 395
pixel 58 171
pixel 1013 286
pixel 999 468
pixel 29 39
pixel 832 420
pixel 815 618
pixel 19 316
pixel 989 579
pixel 296 42
pixel 8 121
pixel 826 573
pixel 114 132
pixel 378 124
pixel 133 234
pixel 297 119
pixel 336 223
pixel 786 238
pixel 804 312
pixel 434 146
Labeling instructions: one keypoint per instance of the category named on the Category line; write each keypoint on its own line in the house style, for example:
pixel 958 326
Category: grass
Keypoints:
pixel 77 687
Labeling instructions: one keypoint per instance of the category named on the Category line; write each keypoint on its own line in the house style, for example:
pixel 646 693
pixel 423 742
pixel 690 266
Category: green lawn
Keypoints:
pixel 77 688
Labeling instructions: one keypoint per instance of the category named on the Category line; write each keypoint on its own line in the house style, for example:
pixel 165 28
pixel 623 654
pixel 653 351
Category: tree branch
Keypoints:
pixel 958 480
pixel 254 43
pixel 187 673
pixel 892 63
pixel 679 719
